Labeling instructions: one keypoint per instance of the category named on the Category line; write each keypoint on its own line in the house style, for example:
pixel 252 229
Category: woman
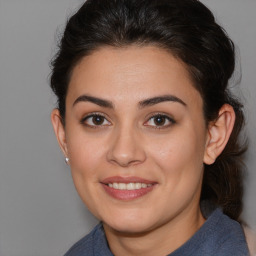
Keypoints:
pixel 149 128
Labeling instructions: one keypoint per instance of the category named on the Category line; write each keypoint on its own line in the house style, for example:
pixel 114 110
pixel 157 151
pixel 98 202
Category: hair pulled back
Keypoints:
pixel 188 30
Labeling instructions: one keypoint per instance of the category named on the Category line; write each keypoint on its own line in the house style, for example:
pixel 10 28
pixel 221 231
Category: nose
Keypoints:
pixel 126 148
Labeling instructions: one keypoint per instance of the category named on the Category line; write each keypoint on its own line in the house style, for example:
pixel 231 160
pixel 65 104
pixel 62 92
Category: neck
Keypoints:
pixel 162 240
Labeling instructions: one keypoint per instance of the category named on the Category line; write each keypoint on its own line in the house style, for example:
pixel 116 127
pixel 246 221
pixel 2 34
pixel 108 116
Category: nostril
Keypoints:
pixel 125 160
pixel 125 149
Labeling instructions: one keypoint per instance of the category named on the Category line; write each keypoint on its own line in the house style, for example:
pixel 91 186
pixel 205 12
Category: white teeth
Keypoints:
pixel 128 186
pixel 122 186
pixel 115 185
pixel 143 185
pixel 137 185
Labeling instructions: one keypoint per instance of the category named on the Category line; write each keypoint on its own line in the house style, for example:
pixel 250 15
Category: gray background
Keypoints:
pixel 40 212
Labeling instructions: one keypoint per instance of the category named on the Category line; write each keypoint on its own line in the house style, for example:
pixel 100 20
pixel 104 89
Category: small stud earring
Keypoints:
pixel 67 160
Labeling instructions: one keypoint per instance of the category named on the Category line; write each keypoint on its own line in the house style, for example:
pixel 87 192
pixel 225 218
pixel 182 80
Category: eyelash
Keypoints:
pixel 166 119
pixel 94 115
pixel 158 115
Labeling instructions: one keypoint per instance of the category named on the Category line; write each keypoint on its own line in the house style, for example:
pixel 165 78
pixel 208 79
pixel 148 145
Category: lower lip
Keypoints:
pixel 127 195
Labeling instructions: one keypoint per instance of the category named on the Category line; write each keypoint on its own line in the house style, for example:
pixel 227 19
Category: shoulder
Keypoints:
pixel 228 237
pixel 219 235
pixel 87 243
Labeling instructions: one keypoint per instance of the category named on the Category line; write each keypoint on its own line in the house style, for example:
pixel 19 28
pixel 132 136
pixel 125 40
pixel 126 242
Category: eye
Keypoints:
pixel 160 121
pixel 94 120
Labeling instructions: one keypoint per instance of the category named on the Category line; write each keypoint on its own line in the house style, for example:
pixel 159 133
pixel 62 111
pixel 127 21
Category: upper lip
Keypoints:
pixel 131 179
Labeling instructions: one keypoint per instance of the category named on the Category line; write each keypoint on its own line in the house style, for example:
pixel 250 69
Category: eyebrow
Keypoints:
pixel 160 99
pixel 145 103
pixel 97 101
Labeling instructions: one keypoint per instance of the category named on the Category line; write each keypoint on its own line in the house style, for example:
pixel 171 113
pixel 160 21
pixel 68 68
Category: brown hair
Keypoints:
pixel 188 30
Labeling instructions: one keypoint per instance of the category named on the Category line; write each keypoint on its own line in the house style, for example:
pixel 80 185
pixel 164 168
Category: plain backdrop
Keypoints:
pixel 40 211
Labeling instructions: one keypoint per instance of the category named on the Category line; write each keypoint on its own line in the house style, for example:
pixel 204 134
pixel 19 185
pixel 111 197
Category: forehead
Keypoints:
pixel 131 73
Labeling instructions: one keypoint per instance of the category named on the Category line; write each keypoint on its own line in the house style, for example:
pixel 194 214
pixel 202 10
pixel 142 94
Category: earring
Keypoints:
pixel 67 160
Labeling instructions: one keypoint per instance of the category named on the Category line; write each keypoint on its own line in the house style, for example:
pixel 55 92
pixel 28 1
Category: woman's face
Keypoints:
pixel 136 137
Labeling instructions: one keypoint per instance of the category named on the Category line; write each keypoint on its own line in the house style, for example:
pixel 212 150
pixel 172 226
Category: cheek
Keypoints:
pixel 180 165
pixel 86 154
pixel 180 155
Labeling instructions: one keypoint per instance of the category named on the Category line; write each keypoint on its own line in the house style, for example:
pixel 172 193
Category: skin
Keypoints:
pixel 129 142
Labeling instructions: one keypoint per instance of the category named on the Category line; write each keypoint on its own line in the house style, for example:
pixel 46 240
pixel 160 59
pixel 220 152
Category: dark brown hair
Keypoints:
pixel 189 31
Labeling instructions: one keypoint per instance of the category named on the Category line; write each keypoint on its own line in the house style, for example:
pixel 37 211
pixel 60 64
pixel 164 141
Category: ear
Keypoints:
pixel 219 132
pixel 59 130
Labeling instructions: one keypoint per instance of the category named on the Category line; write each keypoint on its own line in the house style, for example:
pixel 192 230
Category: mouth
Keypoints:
pixel 127 188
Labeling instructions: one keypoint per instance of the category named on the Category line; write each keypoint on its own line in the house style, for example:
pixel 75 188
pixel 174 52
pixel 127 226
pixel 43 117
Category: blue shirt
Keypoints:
pixel 219 236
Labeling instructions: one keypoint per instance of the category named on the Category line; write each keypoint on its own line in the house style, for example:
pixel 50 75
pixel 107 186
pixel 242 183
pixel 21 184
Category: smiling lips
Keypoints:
pixel 127 188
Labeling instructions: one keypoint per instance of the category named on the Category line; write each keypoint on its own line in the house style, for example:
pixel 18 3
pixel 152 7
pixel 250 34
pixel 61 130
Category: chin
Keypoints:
pixel 129 229
pixel 130 224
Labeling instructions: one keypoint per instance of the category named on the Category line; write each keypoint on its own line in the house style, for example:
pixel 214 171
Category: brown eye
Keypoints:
pixel 159 121
pixel 98 120
pixel 95 120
